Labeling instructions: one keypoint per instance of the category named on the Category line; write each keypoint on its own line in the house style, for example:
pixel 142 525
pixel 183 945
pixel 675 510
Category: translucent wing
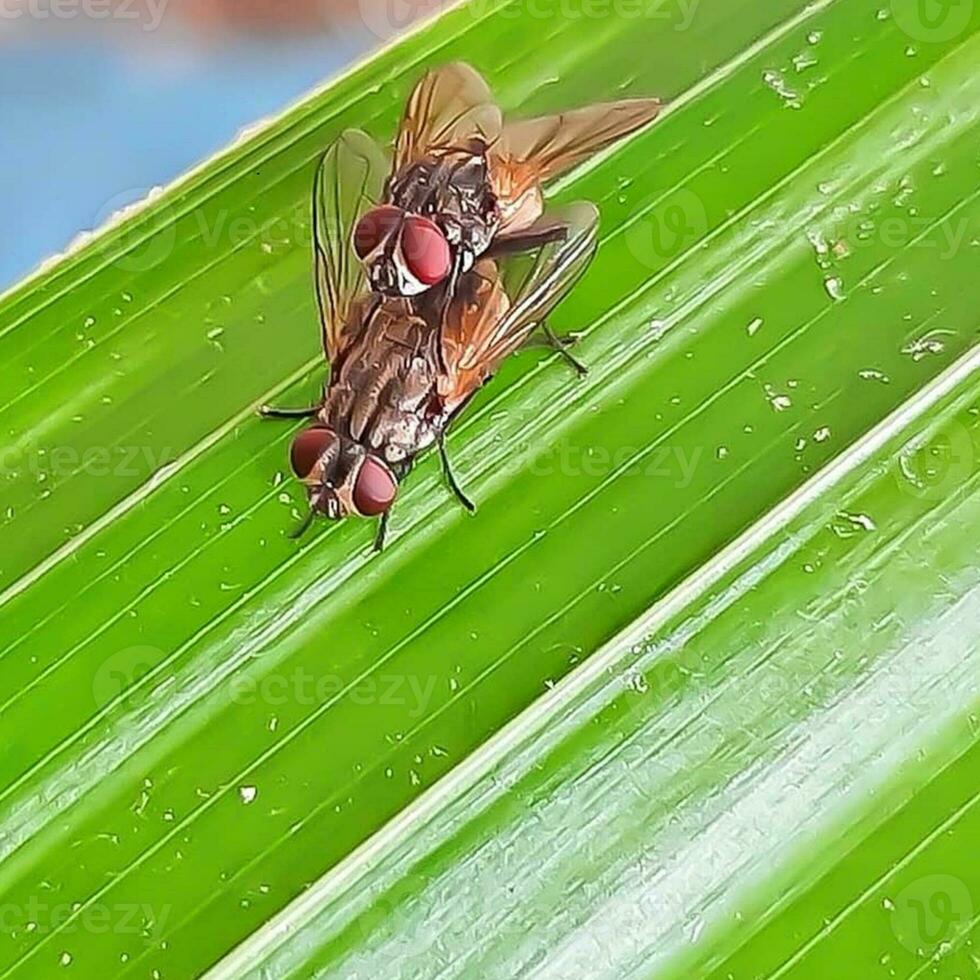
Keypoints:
pixel 449 106
pixel 532 151
pixel 348 183
pixel 487 321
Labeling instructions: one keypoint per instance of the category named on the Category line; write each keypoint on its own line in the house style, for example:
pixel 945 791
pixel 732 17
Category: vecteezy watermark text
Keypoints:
pixel 123 671
pixel 120 918
pixel 303 687
pixel 679 15
pixel 676 464
pixel 148 14
pixel 387 18
pixel 61 461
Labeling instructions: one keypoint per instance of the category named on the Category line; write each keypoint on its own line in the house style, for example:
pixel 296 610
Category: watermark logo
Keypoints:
pixel 386 19
pixel 122 670
pixel 932 20
pixel 930 911
pixel 668 230
pixel 930 468
pixel 135 248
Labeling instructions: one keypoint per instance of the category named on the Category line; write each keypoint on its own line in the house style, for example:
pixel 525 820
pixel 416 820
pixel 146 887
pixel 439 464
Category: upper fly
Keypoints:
pixel 464 183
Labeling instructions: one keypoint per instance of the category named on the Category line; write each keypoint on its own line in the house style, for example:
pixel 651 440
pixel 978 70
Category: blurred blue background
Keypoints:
pixel 93 117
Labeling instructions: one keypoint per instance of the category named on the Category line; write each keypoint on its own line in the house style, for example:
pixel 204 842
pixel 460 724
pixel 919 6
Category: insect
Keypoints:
pixel 400 371
pixel 463 180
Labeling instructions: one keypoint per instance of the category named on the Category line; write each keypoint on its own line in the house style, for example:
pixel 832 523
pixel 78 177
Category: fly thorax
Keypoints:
pixel 470 235
pixel 470 178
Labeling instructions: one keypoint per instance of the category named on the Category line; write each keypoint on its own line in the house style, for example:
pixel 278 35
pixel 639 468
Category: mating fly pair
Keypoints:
pixel 415 312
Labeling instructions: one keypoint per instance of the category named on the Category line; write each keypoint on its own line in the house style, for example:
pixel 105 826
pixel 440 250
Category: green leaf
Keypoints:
pixel 692 692
pixel 771 772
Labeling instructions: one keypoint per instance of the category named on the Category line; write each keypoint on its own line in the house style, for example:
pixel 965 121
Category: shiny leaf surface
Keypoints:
pixel 201 717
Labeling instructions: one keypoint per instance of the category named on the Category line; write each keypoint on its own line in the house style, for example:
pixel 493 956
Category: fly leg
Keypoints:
pixel 401 470
pixel 542 232
pixel 271 412
pixel 561 344
pixel 447 471
pixel 567 340
pixel 379 537
pixel 450 291
pixel 566 231
pixel 304 525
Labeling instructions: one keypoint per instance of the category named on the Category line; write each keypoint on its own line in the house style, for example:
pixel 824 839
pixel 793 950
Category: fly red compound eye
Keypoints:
pixel 307 449
pixel 375 488
pixel 425 249
pixel 374 227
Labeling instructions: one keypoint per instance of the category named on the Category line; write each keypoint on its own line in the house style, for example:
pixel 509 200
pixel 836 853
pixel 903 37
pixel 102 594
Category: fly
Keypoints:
pixel 400 372
pixel 463 183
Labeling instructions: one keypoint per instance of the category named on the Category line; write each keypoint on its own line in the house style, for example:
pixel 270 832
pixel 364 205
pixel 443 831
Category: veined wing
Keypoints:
pixel 450 105
pixel 348 183
pixel 486 321
pixel 533 151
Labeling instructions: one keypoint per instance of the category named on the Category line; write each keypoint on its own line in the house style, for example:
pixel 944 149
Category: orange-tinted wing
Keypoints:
pixel 449 106
pixel 349 182
pixel 479 305
pixel 532 151
pixel 487 321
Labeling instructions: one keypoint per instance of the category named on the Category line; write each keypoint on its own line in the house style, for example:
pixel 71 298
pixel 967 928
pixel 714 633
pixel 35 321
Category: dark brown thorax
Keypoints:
pixel 453 188
pixel 382 395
